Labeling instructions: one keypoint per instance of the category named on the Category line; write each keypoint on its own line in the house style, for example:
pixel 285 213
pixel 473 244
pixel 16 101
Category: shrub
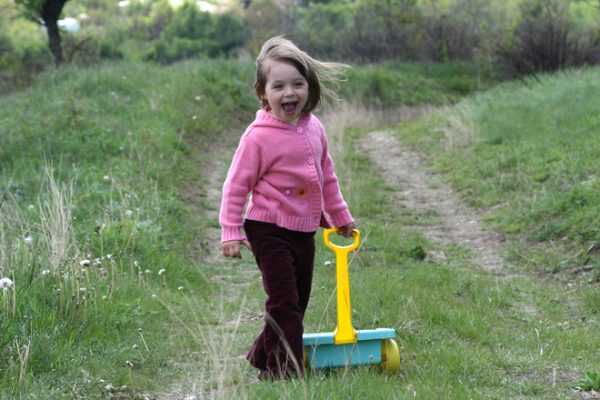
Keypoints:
pixel 323 30
pixel 147 21
pixel 265 19
pixel 13 74
pixel 446 38
pixel 109 46
pixel 383 30
pixel 81 50
pixel 545 40
pixel 193 33
pixel 5 44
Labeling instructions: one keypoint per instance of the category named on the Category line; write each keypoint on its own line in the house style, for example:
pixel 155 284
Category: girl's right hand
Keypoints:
pixel 232 248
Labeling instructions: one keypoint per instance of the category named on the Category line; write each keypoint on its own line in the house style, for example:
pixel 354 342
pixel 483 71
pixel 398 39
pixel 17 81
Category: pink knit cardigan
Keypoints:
pixel 289 173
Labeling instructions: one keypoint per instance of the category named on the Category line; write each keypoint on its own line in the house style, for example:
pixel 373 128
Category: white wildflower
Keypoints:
pixel 162 271
pixel 31 207
pixel 194 117
pixel 28 240
pixel 84 263
pixel 327 263
pixel 198 98
pixel 147 271
pixel 180 288
pixel 106 178
pixel 6 284
pixel 45 272
pixel 97 261
pixel 129 213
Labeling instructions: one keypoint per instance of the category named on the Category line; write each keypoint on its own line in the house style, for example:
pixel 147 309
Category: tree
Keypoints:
pixel 46 12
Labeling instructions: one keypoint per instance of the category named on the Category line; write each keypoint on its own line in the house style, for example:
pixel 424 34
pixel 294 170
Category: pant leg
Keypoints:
pixel 285 259
pixel 305 255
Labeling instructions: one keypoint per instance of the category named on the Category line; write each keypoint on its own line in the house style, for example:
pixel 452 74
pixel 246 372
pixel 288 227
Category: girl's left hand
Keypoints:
pixel 346 230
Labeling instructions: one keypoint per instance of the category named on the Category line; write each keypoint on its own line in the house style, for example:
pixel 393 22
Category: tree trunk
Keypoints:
pixel 50 13
pixel 54 42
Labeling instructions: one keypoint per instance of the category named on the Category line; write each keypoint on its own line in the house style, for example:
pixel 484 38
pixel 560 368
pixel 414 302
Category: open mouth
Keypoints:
pixel 289 108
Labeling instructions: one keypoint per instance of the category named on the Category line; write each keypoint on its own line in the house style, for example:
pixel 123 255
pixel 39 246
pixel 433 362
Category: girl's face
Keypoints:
pixel 286 91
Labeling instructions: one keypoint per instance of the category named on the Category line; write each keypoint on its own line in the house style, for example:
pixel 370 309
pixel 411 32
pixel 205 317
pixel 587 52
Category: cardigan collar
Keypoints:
pixel 264 117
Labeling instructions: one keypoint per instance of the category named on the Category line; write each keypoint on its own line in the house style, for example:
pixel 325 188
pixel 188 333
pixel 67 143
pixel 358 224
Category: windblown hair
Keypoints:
pixel 314 71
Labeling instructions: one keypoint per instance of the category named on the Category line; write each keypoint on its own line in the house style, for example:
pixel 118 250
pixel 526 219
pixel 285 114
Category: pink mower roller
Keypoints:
pixel 345 346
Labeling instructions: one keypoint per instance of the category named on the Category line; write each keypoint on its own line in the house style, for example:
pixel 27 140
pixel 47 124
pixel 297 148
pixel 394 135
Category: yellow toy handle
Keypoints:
pixel 344 332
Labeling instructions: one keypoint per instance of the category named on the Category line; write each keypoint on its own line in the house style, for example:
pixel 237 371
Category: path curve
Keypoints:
pixel 420 190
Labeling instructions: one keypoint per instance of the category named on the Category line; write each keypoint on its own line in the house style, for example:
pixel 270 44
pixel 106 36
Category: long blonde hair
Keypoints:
pixel 314 71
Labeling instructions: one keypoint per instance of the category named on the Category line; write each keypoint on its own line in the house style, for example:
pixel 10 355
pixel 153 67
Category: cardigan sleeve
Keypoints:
pixel 246 168
pixel 333 201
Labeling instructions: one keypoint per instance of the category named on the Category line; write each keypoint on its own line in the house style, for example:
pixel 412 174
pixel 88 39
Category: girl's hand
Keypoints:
pixel 232 248
pixel 346 230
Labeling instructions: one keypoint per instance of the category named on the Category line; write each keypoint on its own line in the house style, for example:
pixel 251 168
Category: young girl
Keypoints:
pixel 282 160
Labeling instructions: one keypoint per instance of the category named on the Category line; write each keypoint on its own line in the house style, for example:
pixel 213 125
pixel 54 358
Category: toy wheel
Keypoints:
pixel 390 356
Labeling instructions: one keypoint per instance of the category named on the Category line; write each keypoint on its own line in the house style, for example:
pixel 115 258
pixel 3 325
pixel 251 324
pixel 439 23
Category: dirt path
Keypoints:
pixel 403 169
pixel 414 187
pixel 422 191
pixel 230 280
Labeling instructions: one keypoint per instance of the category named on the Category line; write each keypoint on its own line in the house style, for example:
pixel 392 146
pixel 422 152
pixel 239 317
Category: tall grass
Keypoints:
pixel 56 221
pixel 96 239
pixel 91 242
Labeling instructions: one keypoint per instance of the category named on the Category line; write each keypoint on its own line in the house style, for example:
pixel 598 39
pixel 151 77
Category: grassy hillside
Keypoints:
pixel 528 333
pixel 104 256
pixel 92 231
pixel 111 294
pixel 530 151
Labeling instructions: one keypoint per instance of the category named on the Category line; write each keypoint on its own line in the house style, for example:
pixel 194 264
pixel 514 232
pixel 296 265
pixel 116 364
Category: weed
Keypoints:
pixel 590 381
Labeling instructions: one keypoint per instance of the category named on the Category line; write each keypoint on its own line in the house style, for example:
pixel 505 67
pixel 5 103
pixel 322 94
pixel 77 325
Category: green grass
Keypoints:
pixel 464 333
pixel 92 165
pixel 529 150
pixel 94 169
pixel 96 163
pixel 412 84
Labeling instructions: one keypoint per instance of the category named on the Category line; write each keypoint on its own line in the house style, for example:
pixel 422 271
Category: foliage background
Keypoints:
pixel 516 37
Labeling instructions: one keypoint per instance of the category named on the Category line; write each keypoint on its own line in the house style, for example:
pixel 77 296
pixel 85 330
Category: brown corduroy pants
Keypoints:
pixel 285 259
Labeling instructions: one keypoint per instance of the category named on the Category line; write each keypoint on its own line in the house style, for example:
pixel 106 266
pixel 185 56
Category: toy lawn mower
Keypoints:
pixel 346 346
